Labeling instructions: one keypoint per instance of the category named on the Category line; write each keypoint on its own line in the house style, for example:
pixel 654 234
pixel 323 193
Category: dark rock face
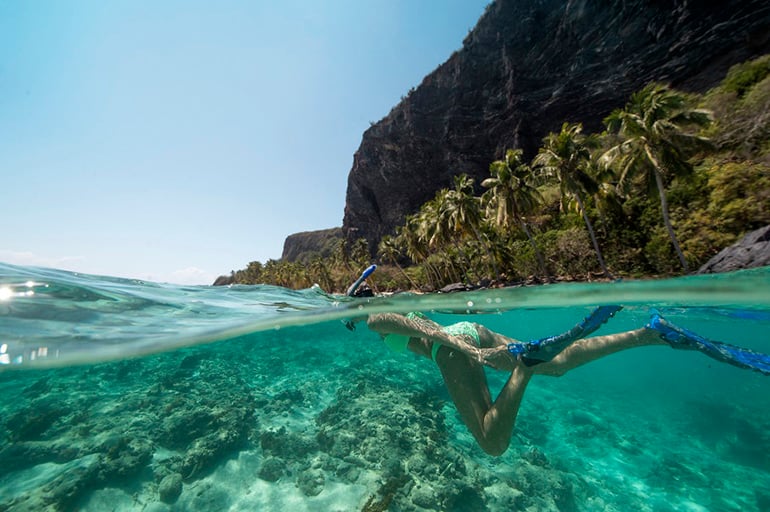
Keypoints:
pixel 753 250
pixel 528 66
pixel 224 280
pixel 299 246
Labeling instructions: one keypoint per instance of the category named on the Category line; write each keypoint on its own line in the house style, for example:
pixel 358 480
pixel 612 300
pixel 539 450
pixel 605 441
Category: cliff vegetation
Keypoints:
pixel 671 179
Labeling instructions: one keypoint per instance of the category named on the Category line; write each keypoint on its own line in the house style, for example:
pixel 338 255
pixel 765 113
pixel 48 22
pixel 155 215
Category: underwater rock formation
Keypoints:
pixel 194 409
pixel 320 419
pixel 170 488
pixel 523 70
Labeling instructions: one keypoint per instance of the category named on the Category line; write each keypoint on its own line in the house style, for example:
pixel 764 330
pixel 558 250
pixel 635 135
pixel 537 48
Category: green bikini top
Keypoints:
pixel 399 342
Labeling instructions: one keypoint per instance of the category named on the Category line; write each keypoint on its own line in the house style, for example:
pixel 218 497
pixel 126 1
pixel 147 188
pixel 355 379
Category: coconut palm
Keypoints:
pixel 413 237
pixel 318 269
pixel 437 233
pixel 511 196
pixel 435 221
pixel 464 214
pixel 390 250
pixel 654 144
pixel 566 156
pixel 359 253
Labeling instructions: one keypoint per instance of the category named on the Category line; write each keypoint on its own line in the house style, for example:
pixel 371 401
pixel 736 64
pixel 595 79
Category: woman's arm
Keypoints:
pixel 392 323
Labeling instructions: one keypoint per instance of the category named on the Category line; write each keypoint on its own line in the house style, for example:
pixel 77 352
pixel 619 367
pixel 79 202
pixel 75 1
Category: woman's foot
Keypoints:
pixel 677 337
pixel 681 338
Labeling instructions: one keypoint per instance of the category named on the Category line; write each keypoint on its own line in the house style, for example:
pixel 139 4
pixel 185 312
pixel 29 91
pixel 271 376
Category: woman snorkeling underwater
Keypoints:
pixel 461 351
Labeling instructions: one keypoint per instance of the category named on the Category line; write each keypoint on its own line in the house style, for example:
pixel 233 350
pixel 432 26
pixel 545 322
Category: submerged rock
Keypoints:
pixel 423 496
pixel 467 499
pixel 272 469
pixel 311 482
pixel 170 488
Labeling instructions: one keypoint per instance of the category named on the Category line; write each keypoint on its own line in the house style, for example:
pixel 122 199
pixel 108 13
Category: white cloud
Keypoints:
pixel 186 276
pixel 35 260
pixel 191 275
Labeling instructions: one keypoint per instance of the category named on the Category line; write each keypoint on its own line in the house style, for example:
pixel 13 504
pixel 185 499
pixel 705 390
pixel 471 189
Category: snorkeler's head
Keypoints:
pixel 363 291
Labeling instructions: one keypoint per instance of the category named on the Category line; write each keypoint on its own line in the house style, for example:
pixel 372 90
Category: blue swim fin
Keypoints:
pixel 545 349
pixel 681 338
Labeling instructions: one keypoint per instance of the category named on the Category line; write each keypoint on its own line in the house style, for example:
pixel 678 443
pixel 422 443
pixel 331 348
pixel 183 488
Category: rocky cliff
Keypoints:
pixel 303 246
pixel 751 251
pixel 528 66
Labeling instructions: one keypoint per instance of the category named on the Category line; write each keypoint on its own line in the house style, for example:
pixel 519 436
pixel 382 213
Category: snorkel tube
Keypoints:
pixel 352 292
pixel 353 287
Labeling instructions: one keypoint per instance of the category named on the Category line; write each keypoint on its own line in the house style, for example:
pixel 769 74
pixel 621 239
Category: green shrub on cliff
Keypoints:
pixel 741 78
pixel 741 105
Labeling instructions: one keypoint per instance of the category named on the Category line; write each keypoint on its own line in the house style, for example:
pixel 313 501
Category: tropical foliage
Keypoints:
pixel 566 157
pixel 655 146
pixel 512 197
pixel 673 179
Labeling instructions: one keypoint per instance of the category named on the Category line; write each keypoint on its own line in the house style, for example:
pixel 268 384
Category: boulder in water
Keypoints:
pixel 170 488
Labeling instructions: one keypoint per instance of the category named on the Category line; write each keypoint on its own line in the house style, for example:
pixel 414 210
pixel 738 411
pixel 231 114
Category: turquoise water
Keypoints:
pixel 126 395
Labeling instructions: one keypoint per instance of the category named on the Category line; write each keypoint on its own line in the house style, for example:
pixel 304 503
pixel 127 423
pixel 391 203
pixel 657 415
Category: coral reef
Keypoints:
pixel 252 425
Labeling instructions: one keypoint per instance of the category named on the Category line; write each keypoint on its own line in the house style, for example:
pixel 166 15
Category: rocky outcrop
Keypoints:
pixel 528 66
pixel 302 246
pixel 753 250
pixel 224 280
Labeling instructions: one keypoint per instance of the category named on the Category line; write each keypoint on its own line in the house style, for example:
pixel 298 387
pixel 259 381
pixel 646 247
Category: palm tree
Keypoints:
pixel 654 144
pixel 434 221
pixel 412 237
pixel 320 273
pixel 437 231
pixel 464 213
pixel 512 196
pixel 566 156
pixel 389 250
pixel 359 253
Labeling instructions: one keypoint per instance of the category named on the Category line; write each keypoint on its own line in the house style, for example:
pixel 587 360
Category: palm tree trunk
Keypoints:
pixel 451 273
pixel 593 236
pixel 399 267
pixel 538 254
pixel 664 209
pixel 486 250
pixel 667 221
pixel 433 275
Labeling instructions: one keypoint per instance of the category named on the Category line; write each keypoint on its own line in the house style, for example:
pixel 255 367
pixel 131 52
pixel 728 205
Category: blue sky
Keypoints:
pixel 178 140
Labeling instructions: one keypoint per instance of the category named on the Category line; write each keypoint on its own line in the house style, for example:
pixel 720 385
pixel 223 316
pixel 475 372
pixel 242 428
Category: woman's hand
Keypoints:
pixel 498 358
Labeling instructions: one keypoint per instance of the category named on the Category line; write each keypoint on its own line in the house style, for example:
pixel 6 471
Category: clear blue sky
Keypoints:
pixel 178 140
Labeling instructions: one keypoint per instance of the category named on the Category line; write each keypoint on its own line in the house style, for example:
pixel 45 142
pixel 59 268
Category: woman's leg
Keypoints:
pixel 490 423
pixel 590 349
pixel 492 339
